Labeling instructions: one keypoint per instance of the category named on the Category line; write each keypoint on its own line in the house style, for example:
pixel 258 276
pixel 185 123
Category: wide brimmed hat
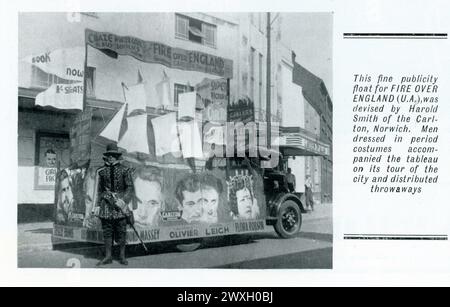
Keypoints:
pixel 112 150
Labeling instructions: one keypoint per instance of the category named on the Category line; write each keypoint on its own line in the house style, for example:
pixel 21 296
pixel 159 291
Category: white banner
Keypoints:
pixel 65 63
pixel 62 96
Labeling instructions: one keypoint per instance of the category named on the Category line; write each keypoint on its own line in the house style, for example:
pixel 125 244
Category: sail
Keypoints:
pixel 163 91
pixel 186 105
pixel 190 139
pixel 166 134
pixel 136 97
pixel 112 130
pixel 135 138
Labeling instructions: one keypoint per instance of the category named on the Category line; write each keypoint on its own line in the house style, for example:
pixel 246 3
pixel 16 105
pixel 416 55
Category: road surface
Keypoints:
pixel 311 248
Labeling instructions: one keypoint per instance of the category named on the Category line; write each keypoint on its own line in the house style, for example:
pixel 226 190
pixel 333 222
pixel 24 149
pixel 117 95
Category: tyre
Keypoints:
pixel 289 220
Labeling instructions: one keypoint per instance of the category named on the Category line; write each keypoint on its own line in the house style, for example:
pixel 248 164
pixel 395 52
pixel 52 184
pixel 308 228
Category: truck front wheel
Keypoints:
pixel 289 220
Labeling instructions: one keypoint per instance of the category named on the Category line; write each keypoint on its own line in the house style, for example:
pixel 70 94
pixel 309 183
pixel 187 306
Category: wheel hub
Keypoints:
pixel 289 220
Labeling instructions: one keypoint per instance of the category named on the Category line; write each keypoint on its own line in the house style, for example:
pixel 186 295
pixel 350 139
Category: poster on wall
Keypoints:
pixel 52 149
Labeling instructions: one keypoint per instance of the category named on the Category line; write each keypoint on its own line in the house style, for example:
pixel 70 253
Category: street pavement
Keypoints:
pixel 311 248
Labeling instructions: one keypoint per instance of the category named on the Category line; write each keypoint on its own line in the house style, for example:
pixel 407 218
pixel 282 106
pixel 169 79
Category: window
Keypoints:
pixel 52 144
pixel 260 81
pixel 252 74
pixel 195 30
pixel 252 18
pixel 90 85
pixel 180 89
pixel 259 21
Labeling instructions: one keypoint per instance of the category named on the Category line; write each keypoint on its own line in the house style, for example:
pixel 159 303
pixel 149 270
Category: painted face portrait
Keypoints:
pixel 89 188
pixel 244 203
pixel 149 196
pixel 65 196
pixel 192 206
pixel 210 203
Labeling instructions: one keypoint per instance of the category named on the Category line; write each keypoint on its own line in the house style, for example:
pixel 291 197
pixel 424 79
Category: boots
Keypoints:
pixel 122 259
pixel 108 253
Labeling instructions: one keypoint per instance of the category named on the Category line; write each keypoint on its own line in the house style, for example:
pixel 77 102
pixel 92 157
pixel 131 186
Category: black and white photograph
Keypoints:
pixel 225 149
pixel 175 140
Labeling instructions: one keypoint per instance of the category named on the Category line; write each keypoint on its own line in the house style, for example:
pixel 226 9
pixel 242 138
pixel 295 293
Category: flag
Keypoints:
pixel 112 130
pixel 186 105
pixel 67 63
pixel 164 92
pixel 190 139
pixel 135 138
pixel 166 134
pixel 62 96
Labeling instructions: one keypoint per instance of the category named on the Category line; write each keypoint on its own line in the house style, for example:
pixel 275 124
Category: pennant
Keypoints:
pixel 62 96
pixel 186 105
pixel 166 134
pixel 65 63
pixel 190 139
pixel 135 138
pixel 112 130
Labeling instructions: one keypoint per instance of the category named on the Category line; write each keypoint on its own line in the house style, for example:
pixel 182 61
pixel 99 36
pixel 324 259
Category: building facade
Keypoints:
pixel 318 110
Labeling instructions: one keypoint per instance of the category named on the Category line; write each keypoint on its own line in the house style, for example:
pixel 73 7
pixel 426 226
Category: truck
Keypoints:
pixel 183 193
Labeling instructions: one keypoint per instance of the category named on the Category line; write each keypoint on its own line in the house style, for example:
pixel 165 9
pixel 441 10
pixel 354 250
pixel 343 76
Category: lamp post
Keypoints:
pixel 268 85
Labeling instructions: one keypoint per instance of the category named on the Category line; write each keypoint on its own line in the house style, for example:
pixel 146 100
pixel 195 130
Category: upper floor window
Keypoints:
pixel 195 30
pixel 180 89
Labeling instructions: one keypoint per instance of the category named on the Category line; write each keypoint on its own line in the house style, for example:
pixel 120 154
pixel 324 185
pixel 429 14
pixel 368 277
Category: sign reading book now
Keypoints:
pixel 154 52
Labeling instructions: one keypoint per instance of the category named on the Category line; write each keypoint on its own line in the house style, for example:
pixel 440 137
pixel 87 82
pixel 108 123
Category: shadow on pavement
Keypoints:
pixel 96 250
pixel 326 237
pixel 311 259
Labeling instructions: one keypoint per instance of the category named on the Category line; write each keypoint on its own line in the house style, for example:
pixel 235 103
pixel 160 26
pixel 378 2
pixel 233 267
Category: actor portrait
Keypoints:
pixel 65 197
pixel 148 193
pixel 211 188
pixel 243 203
pixel 189 198
pixel 90 221
pixel 50 158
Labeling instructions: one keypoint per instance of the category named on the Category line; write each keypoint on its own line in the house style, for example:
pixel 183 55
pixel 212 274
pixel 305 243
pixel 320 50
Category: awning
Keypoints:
pixel 300 144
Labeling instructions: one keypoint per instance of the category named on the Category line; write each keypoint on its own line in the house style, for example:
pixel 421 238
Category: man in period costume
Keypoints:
pixel 115 191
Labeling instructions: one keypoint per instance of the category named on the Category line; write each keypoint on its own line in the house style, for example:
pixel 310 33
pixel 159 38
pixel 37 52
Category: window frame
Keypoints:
pixel 46 134
pixel 185 89
pixel 205 26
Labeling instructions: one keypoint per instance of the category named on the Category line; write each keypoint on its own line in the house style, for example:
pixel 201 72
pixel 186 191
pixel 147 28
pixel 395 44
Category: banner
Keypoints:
pixel 159 234
pixel 65 63
pixel 214 98
pixel 241 111
pixel 62 96
pixel 154 52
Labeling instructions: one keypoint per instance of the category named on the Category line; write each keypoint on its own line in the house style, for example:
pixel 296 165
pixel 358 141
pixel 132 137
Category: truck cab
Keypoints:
pixel 284 209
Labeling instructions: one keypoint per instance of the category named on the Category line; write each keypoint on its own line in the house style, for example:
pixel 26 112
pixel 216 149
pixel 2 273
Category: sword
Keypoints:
pixel 129 222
